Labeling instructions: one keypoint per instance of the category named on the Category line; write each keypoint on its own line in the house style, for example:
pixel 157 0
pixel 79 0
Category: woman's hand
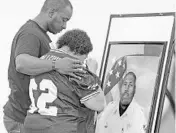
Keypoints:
pixel 92 65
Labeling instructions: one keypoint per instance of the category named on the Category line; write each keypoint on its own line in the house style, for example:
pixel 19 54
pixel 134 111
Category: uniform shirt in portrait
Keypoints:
pixel 32 40
pixel 132 120
pixel 57 100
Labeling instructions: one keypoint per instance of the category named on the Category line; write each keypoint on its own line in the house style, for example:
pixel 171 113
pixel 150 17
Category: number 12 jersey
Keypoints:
pixel 57 101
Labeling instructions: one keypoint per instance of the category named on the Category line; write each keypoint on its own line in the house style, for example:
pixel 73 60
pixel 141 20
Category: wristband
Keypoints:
pixel 53 65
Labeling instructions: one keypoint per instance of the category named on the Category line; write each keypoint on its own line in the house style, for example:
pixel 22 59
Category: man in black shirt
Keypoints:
pixel 29 44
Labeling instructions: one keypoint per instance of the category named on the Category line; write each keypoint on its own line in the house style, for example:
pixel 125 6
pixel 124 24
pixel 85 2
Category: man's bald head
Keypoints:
pixel 55 5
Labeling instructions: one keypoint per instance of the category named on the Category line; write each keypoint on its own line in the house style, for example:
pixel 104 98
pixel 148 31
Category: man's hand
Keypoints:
pixel 69 66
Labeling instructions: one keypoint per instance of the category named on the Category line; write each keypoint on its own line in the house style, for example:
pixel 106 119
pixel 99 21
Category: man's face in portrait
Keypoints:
pixel 127 89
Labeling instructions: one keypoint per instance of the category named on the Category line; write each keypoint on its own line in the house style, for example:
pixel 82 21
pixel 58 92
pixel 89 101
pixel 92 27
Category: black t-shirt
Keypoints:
pixel 32 40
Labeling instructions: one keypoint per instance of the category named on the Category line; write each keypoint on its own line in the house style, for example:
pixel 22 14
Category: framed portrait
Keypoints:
pixel 134 71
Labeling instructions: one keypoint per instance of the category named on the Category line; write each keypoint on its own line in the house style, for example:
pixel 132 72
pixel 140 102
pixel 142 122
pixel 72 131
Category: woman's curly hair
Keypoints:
pixel 77 40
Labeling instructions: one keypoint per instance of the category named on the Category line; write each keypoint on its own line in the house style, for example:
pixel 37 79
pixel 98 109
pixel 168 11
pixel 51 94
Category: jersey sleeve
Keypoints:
pixel 87 87
pixel 28 44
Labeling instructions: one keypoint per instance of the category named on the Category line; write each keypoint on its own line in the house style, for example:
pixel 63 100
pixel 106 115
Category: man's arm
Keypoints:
pixel 31 65
pixel 27 61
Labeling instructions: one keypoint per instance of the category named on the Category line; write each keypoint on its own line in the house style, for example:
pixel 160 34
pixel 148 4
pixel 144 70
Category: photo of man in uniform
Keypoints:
pixel 123 115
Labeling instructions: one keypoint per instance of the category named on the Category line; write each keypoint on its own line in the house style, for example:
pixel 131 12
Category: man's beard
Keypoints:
pixel 125 99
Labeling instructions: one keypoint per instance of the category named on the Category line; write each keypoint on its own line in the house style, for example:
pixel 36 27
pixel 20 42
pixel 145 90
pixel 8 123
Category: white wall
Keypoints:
pixel 89 15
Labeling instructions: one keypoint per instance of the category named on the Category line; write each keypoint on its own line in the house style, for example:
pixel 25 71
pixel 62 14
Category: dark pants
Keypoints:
pixel 12 126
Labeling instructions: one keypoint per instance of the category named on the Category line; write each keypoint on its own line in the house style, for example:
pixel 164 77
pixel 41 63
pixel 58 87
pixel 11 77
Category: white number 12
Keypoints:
pixel 40 95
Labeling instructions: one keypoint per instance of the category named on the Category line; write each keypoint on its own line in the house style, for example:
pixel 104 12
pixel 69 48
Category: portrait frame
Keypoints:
pixel 162 72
